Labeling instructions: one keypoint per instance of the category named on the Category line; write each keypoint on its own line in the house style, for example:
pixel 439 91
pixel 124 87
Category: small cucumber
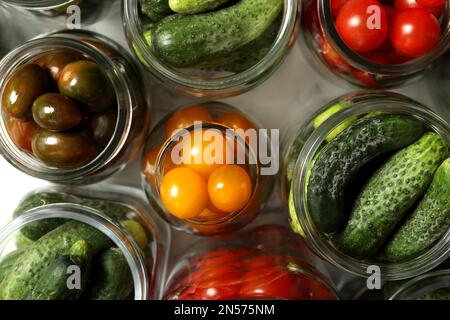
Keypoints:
pixel 137 232
pixel 156 9
pixel 342 159
pixel 113 280
pixel 389 194
pixel 36 258
pixel 246 56
pixel 428 222
pixel 440 294
pixel 22 241
pixel 7 263
pixel 195 6
pixel 185 40
pixel 54 281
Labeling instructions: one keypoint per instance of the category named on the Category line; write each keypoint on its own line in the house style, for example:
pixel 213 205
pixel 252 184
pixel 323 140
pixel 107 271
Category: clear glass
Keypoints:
pixel 161 145
pixel 438 84
pixel 304 142
pixel 211 84
pixel 146 255
pixel 327 49
pixel 133 115
pixel 431 286
pixel 267 262
pixel 59 12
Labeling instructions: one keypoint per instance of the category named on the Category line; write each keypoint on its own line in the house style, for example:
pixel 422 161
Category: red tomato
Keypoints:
pixel 362 25
pixel 437 11
pixel 21 132
pixel 431 3
pixel 336 6
pixel 414 32
pixel 365 78
pixel 333 58
pixel 381 57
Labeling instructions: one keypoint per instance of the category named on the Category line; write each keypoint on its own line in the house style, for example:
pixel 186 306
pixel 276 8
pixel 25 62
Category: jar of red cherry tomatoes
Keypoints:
pixel 377 44
pixel 267 262
pixel 72 108
pixel 201 168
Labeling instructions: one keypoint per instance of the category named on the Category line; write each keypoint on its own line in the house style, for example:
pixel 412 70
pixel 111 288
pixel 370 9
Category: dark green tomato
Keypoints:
pixel 57 61
pixel 63 149
pixel 85 82
pixel 102 126
pixel 55 112
pixel 26 84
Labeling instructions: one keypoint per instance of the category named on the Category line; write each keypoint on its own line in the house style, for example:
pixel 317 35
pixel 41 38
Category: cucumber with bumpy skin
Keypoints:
pixel 156 10
pixel 185 40
pixel 36 258
pixel 389 194
pixel 428 222
pixel 195 6
pixel 7 263
pixel 54 281
pixel 113 280
pixel 342 158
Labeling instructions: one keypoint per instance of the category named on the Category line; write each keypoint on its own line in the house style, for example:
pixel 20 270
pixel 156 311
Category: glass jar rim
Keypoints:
pixel 97 220
pixel 38 4
pixel 410 67
pixel 422 285
pixel 362 103
pixel 55 42
pixel 132 24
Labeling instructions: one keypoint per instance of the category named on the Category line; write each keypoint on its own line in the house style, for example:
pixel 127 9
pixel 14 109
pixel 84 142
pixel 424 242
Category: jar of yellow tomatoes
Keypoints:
pixel 202 170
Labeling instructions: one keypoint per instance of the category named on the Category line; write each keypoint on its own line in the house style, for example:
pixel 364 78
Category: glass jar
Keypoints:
pixel 62 12
pixel 305 142
pixel 326 48
pixel 205 79
pixel 431 286
pixel 110 138
pixel 438 85
pixel 186 143
pixel 267 262
pixel 114 222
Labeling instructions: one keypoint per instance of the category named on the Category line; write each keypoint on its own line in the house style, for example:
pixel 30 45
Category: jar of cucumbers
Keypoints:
pixel 367 180
pixel 72 107
pixel 211 48
pixel 201 168
pixel 69 244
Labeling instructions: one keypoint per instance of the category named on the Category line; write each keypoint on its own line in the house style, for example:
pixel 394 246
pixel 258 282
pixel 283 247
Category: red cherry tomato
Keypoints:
pixel 414 32
pixel 333 58
pixel 381 57
pixel 431 3
pixel 437 11
pixel 21 132
pixel 362 25
pixel 336 6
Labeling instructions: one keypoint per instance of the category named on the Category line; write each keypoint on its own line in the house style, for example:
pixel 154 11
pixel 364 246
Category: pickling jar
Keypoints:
pixel 63 13
pixel 118 133
pixel 204 81
pixel 304 142
pixel 330 55
pixel 431 286
pixel 115 220
pixel 202 170
pixel 438 84
pixel 266 262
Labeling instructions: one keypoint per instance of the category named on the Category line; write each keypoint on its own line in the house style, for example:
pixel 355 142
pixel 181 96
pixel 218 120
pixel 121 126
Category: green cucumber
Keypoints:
pixel 342 159
pixel 185 40
pixel 195 6
pixel 7 263
pixel 54 281
pixel 389 194
pixel 156 9
pixel 427 224
pixel 22 241
pixel 246 56
pixel 36 258
pixel 440 294
pixel 36 230
pixel 113 280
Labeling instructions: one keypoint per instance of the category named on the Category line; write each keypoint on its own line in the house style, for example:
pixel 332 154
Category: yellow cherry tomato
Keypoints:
pixel 184 193
pixel 186 117
pixel 235 121
pixel 205 151
pixel 229 188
